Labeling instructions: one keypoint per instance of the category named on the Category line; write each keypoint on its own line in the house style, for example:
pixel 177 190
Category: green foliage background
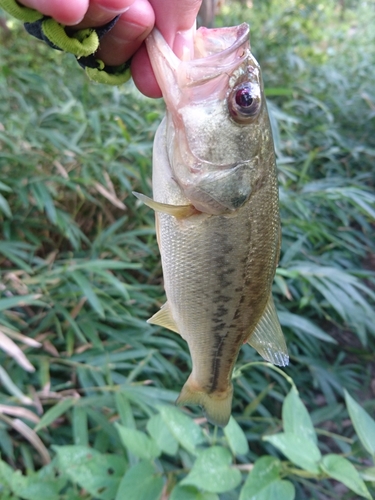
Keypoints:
pixel 86 399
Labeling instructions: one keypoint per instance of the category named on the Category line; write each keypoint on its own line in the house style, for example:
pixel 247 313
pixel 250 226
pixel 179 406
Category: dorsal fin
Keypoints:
pixel 268 338
pixel 164 318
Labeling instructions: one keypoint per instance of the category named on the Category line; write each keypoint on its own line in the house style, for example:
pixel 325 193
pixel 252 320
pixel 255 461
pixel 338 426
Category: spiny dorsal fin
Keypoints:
pixel 268 338
pixel 164 318
pixel 178 211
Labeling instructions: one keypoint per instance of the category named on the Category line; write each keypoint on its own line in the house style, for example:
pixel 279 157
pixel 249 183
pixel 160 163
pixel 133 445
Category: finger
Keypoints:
pixel 100 12
pixel 176 21
pixel 127 35
pixel 69 12
pixel 143 75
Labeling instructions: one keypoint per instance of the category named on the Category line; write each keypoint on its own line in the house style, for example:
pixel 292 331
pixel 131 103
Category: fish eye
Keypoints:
pixel 244 102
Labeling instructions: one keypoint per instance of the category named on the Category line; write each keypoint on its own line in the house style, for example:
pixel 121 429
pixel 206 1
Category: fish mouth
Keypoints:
pixel 217 52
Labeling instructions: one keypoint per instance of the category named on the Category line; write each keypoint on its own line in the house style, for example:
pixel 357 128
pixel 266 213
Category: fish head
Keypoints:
pixel 218 131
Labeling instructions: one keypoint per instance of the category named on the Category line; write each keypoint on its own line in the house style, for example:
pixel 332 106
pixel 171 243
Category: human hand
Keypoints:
pixel 174 18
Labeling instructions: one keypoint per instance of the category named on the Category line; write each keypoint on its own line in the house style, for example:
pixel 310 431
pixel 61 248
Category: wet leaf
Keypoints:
pixel 140 482
pixel 191 493
pixel 98 473
pixel 236 438
pixel 161 434
pixel 342 470
pixel 184 430
pixel 299 450
pixel 138 443
pixel 212 471
pixel 296 418
pixel 264 482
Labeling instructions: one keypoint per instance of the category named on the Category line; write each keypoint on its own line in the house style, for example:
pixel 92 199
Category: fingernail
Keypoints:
pixel 131 32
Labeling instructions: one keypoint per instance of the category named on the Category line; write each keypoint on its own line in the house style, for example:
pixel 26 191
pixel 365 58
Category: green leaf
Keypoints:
pixel 4 206
pixel 363 424
pixel 368 474
pixel 138 443
pixel 140 482
pixel 307 327
pixel 213 472
pixel 80 426
pixel 11 387
pixel 87 289
pixel 6 473
pixel 161 434
pixel 55 412
pixel 264 482
pixel 20 301
pixel 33 487
pixel 236 438
pixel 98 473
pixel 296 418
pixel 342 470
pixel 191 493
pixel 298 449
pixel 184 430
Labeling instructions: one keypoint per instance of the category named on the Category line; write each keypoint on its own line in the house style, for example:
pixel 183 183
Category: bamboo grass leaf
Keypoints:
pixel 87 290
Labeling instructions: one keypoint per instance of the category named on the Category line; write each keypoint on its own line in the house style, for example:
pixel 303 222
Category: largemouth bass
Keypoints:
pixel 215 194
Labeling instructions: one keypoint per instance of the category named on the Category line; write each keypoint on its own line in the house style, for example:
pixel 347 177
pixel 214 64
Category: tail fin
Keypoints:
pixel 217 406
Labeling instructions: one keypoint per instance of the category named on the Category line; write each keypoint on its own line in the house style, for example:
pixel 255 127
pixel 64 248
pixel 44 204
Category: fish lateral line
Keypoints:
pixel 177 211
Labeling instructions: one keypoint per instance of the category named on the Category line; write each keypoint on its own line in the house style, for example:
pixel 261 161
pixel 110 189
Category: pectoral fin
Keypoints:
pixel 164 318
pixel 178 211
pixel 268 338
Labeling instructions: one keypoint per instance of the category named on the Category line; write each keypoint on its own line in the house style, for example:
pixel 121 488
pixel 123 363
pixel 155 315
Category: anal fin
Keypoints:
pixel 164 318
pixel 268 338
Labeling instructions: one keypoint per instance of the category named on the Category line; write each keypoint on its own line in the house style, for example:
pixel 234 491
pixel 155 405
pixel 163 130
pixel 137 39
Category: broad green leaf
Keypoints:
pixel 6 473
pixel 296 418
pixel 138 443
pixel 368 474
pixel 264 482
pixel 363 424
pixel 98 473
pixel 185 431
pixel 140 482
pixel 33 487
pixel 213 471
pixel 265 472
pixel 236 438
pixel 299 450
pixel 55 412
pixel 161 434
pixel 191 493
pixel 342 470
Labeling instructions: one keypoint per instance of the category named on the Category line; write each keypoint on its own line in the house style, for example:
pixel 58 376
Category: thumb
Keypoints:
pixel 176 21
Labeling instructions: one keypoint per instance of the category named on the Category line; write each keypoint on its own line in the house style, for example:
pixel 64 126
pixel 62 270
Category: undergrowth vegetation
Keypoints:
pixel 86 385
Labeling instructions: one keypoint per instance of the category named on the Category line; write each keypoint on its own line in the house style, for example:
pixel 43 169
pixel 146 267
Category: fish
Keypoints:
pixel 215 196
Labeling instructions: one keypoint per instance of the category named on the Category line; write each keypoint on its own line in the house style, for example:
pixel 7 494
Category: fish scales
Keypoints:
pixel 216 199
